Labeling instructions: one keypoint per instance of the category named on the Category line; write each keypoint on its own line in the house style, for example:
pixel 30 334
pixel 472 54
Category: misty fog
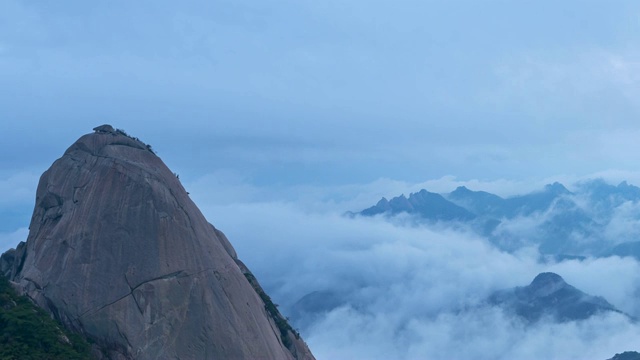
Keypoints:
pixel 418 291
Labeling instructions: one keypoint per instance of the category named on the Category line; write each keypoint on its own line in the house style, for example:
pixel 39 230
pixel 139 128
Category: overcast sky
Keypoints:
pixel 328 92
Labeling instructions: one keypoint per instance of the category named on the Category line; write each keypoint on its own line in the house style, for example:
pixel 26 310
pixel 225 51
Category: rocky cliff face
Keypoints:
pixel 119 252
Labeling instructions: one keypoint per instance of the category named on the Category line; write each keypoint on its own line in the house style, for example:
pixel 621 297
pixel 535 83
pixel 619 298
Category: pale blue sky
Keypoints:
pixel 329 92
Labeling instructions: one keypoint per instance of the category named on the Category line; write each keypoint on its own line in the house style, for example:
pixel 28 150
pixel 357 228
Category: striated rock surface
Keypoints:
pixel 119 252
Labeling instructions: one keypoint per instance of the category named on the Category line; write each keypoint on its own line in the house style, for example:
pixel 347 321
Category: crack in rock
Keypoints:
pixel 173 275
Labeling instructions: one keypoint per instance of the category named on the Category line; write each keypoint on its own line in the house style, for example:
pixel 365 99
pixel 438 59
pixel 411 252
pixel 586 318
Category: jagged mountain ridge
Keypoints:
pixel 560 221
pixel 466 204
pixel 118 252
pixel 426 204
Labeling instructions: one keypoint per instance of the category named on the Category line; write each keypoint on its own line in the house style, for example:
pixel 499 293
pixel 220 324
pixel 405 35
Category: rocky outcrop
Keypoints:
pixel 105 129
pixel 11 261
pixel 118 252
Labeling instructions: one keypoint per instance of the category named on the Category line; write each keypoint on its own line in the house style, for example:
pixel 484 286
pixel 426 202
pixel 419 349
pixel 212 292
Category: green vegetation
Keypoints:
pixel 272 309
pixel 27 332
pixel 124 133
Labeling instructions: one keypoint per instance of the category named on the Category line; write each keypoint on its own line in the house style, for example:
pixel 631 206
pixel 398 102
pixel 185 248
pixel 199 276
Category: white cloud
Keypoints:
pixel 489 334
pixel 414 292
pixel 624 225
pixel 485 333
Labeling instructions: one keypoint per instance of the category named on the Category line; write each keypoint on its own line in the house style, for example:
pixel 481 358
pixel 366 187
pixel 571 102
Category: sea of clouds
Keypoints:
pixel 415 292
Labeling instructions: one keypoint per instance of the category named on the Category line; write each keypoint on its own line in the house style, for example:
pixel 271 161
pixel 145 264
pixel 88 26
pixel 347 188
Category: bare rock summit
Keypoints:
pixel 117 251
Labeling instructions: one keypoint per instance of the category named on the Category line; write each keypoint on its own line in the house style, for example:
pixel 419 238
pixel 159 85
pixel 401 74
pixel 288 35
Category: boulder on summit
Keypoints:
pixel 106 128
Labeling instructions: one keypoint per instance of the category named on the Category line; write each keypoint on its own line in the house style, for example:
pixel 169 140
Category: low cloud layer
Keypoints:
pixel 418 292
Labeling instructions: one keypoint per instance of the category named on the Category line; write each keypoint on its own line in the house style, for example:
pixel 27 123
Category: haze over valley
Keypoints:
pixel 402 287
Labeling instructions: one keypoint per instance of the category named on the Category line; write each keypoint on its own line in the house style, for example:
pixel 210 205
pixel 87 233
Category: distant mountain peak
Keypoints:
pixel 546 284
pixel 427 205
pixel 556 188
pixel 549 295
pixel 461 190
pixel 547 278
